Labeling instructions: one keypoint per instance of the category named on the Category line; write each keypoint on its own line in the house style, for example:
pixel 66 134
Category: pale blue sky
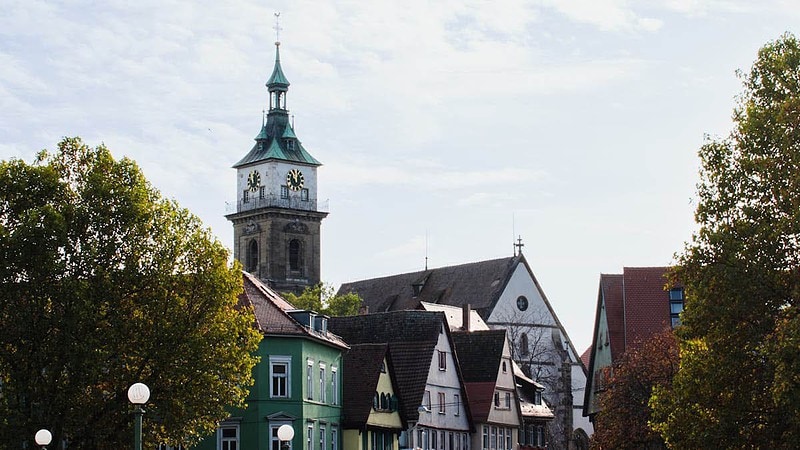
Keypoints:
pixel 573 123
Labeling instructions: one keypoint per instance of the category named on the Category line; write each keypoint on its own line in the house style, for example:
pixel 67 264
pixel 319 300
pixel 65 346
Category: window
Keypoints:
pixel 246 196
pixel 295 256
pixel 279 367
pixel 275 443
pixel 457 403
pixel 508 400
pixel 284 191
pixel 289 144
pixel 523 344
pixel 485 437
pixel 334 387
pixel 496 399
pixel 676 299
pixel 228 437
pixel 537 398
pixel 310 436
pixel 493 438
pixel 442 360
pixel 252 256
pixel 310 379
pixel 334 438
pixel 441 403
pixel 304 194
pixel 262 192
pixel 383 366
pixel 508 439
pixel 322 436
pixel 322 396
pixel 434 439
pixel 505 368
pixel 426 400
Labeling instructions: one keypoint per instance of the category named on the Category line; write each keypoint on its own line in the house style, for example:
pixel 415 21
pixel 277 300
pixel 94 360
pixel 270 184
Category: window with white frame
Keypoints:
pixel 426 400
pixel 280 376
pixel 310 379
pixel 334 438
pixel 441 403
pixel 322 396
pixel 310 435
pixel 508 400
pixel 334 386
pixel 228 437
pixel 275 443
pixel 322 436
pixel 457 404
pixel 442 360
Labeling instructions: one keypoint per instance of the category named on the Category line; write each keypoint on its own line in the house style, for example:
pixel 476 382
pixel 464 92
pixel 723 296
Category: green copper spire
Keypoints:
pixel 278 81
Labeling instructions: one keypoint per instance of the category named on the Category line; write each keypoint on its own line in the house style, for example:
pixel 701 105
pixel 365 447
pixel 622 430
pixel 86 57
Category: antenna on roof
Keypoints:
pixel 426 249
pixel 277 28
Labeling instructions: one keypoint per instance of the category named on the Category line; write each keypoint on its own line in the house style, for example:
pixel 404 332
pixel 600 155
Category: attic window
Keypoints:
pixel 417 288
pixel 289 144
pixel 676 299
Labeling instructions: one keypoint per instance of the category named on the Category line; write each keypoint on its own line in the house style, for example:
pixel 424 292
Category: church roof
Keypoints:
pixel 478 284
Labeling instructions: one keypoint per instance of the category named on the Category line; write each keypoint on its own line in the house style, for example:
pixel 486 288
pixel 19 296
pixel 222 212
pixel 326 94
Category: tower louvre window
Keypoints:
pixel 295 257
pixel 252 256
pixel 284 191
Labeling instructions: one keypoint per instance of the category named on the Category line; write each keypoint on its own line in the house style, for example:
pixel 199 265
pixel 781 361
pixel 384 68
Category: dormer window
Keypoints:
pixel 676 299
pixel 289 144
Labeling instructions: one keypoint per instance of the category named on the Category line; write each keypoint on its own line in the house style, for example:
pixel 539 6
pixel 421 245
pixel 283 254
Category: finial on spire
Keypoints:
pixel 277 29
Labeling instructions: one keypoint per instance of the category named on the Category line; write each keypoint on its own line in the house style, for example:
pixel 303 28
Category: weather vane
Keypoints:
pixel 277 28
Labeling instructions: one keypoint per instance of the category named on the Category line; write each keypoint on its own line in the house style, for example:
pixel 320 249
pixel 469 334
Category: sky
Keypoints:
pixel 445 128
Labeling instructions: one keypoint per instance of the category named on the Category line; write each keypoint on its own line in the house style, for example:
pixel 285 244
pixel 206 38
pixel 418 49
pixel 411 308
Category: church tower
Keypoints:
pixel 276 226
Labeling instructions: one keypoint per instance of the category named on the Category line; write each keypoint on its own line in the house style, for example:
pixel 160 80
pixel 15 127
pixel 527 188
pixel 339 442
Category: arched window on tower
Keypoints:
pixel 251 262
pixel 296 257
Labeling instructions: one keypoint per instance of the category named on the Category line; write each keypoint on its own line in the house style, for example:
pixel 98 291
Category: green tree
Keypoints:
pixel 623 422
pixel 321 298
pixel 104 283
pixel 737 385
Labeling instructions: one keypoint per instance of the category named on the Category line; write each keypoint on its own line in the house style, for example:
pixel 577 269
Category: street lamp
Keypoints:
pixel 138 394
pixel 43 438
pixel 285 435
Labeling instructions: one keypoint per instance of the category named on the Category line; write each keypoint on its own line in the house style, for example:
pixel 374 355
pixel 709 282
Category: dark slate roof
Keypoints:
pixel 362 366
pixel 411 336
pixel 480 354
pixel 478 284
pixel 271 313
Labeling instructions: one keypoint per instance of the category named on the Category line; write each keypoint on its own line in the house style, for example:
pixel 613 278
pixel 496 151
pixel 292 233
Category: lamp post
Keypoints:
pixel 138 394
pixel 43 438
pixel 285 435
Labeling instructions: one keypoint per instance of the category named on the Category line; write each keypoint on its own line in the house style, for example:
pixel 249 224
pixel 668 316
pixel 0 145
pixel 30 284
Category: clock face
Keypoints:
pixel 294 179
pixel 253 180
pixel 522 303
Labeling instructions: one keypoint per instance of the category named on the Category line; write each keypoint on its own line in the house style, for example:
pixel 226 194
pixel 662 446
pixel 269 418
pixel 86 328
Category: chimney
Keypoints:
pixel 466 312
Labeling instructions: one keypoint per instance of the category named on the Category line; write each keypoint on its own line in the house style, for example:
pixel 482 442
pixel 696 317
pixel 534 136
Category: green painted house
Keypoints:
pixel 298 381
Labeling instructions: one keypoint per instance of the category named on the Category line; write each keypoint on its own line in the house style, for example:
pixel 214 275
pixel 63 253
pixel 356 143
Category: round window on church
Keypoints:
pixel 522 303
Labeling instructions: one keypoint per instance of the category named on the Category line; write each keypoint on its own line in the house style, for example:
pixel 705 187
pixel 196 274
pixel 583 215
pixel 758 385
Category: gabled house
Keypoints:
pixel 535 413
pixel 506 295
pixel 430 393
pixel 298 381
pixel 488 373
pixel 371 418
pixel 631 307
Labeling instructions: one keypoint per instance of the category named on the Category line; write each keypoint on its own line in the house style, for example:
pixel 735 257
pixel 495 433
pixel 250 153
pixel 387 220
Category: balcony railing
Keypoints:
pixel 275 202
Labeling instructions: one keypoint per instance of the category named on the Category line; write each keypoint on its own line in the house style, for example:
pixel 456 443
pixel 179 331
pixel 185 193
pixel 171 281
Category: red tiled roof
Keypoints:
pixel 646 303
pixel 585 356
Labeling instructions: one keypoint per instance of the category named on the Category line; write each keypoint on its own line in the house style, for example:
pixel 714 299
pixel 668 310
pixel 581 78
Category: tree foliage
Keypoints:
pixel 103 284
pixel 322 299
pixel 737 385
pixel 623 422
